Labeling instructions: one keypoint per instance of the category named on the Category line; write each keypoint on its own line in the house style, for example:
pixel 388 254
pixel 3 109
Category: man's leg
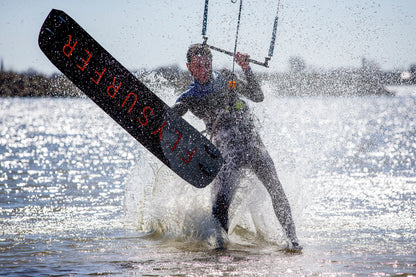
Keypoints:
pixel 220 209
pixel 263 166
pixel 224 188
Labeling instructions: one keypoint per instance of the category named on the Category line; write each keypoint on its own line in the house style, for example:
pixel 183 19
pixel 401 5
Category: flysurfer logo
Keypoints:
pixel 83 58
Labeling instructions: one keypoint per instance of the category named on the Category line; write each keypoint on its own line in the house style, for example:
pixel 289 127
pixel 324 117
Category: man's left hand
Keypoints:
pixel 242 60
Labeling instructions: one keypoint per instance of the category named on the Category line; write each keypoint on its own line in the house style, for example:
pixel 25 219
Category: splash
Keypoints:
pixel 161 204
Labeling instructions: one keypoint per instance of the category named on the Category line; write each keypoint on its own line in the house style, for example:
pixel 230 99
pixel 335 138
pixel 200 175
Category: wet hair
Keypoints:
pixel 197 49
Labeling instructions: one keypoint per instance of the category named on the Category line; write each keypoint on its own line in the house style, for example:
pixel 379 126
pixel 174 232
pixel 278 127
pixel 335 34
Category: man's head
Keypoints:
pixel 199 62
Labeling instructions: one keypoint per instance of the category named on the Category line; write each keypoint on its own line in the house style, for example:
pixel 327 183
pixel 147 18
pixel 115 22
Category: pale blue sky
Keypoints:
pixel 146 34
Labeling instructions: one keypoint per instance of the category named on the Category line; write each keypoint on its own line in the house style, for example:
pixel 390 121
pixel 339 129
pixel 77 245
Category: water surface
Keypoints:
pixel 78 195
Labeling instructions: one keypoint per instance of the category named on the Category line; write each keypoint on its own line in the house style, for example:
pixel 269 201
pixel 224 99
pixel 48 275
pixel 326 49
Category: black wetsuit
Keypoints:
pixel 229 122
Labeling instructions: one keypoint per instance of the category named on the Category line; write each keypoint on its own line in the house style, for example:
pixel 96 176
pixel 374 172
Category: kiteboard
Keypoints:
pixel 128 101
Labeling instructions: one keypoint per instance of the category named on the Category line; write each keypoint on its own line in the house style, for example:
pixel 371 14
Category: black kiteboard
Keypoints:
pixel 128 101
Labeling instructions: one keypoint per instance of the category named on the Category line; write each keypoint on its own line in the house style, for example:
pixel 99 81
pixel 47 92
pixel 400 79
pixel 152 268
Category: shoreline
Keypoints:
pixel 305 84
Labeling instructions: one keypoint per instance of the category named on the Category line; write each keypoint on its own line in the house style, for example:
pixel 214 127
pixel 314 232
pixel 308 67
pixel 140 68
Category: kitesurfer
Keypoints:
pixel 215 97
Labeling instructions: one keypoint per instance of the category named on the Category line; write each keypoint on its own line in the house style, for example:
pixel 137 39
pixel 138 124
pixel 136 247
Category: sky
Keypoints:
pixel 326 34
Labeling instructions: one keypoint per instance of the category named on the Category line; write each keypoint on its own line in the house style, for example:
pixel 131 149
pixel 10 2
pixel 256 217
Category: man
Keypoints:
pixel 215 98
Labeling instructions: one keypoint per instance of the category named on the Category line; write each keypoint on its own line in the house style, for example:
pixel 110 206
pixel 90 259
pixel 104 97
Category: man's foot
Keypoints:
pixel 217 237
pixel 294 247
pixel 220 242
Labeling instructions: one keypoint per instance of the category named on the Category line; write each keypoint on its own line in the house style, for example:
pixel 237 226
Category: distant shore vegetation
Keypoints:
pixel 297 81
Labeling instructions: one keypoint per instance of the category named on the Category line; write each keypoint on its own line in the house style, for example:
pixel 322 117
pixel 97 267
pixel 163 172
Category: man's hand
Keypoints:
pixel 242 60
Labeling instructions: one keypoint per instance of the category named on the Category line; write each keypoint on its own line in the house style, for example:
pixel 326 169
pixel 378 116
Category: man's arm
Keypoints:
pixel 180 108
pixel 252 89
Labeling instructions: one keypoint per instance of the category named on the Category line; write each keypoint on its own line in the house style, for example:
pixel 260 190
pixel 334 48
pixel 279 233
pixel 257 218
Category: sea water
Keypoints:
pixel 79 196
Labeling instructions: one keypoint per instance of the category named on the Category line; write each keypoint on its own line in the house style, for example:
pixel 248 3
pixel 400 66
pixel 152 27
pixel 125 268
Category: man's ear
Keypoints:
pixel 189 67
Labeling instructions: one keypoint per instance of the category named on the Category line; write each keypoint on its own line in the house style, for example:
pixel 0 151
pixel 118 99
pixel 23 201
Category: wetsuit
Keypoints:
pixel 230 123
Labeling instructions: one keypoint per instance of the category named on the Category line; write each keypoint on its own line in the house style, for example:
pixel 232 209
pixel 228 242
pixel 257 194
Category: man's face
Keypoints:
pixel 200 68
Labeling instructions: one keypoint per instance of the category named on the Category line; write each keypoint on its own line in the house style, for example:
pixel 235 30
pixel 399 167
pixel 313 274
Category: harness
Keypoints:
pixel 216 84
